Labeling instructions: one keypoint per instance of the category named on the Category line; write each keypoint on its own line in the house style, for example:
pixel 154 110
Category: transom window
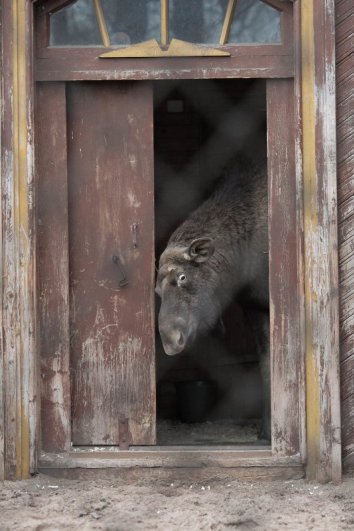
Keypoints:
pixel 120 23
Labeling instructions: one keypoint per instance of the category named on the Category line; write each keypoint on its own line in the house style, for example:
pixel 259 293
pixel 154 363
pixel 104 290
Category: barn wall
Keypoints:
pixel 345 154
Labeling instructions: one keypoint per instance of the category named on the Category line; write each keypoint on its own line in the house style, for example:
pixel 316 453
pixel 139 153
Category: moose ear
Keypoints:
pixel 201 249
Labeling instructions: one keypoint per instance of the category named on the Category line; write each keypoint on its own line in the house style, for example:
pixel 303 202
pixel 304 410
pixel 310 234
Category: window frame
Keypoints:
pixel 83 62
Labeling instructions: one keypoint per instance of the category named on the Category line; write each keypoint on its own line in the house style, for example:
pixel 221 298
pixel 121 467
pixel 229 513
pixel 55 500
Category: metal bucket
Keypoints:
pixel 195 399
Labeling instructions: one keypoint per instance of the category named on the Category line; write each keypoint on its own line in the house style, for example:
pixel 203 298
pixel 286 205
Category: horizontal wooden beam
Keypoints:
pixel 175 457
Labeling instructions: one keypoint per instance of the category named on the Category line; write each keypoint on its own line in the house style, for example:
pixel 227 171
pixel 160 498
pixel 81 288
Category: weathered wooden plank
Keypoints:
pixel 198 474
pixel 321 260
pixel 345 186
pixel 347 371
pixel 285 281
pixel 347 205
pixel 344 30
pixel 300 227
pixel 111 206
pixel 348 424
pixel 346 308
pixel 346 139
pixel 246 67
pixel 343 10
pixel 10 323
pixel 170 458
pixel 344 70
pixel 345 132
pixel 347 283
pixel 346 229
pixel 53 266
pixel 2 375
pixel 347 326
pixel 18 265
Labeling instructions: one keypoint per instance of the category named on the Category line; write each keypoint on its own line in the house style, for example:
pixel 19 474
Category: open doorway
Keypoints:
pixel 212 393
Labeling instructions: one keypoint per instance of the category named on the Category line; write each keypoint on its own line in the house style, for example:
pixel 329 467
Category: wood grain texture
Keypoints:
pixel 111 213
pixel 53 266
pixel 183 474
pixel 286 283
pixel 80 63
pixel 74 66
pixel 345 168
pixel 18 246
pixel 2 367
pixel 321 257
pixel 170 457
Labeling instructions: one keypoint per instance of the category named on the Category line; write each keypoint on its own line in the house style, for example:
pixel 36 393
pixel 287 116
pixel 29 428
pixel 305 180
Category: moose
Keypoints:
pixel 219 254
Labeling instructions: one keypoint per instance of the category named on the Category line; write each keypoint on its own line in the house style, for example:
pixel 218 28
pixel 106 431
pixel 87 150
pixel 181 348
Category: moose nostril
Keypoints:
pixel 180 339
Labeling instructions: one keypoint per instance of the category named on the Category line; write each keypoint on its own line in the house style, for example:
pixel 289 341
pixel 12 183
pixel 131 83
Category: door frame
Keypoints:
pixel 317 338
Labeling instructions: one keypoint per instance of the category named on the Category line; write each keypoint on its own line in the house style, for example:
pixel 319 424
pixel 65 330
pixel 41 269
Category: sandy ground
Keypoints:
pixel 44 503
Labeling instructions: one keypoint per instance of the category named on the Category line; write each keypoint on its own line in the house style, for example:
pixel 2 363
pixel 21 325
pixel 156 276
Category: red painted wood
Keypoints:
pixel 111 212
pixel 285 284
pixel 53 266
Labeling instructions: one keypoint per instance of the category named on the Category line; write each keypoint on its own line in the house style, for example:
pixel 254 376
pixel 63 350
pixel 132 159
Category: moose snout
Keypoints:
pixel 173 336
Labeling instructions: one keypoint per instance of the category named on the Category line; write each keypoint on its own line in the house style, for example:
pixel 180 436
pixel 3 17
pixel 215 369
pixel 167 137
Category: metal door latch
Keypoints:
pixel 124 434
pixel 123 281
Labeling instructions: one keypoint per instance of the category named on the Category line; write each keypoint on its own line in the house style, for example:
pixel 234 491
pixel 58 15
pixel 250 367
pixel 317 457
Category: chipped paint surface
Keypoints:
pixel 111 326
pixel 284 273
pixel 18 242
pixel 321 275
pixel 18 263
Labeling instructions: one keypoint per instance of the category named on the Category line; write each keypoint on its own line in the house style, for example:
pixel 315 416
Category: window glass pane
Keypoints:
pixel 127 23
pixel 130 22
pixel 198 21
pixel 201 21
pixel 75 25
pixel 254 22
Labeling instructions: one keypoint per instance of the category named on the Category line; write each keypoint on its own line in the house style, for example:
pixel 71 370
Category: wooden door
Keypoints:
pixel 109 257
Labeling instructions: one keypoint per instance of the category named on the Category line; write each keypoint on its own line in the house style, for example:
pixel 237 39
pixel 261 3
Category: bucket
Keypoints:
pixel 195 399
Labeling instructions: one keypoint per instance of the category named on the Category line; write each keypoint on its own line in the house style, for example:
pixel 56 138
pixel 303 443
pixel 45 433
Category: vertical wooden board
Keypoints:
pixel 9 265
pixel 53 266
pixel 345 173
pixel 285 281
pixel 325 243
pixel 321 241
pixel 2 373
pixel 111 213
pixel 18 245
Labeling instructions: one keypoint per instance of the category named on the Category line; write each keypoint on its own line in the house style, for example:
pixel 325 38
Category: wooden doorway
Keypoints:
pixel 97 260
pixel 273 62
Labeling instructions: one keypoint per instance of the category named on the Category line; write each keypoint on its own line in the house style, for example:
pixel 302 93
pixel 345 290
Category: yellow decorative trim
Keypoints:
pixel 101 21
pixel 313 419
pixel 20 184
pixel 176 48
pixel 164 22
pixel 228 21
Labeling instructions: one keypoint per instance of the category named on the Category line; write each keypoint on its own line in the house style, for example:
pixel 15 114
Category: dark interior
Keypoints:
pixel 200 126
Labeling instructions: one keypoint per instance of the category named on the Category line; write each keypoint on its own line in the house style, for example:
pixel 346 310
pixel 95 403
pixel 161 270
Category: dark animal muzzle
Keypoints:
pixel 173 336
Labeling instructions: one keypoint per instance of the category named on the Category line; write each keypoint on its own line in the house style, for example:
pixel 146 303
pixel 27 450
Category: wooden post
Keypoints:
pixel 320 238
pixel 18 246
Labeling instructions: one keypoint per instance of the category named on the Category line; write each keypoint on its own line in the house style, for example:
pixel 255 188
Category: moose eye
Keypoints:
pixel 182 278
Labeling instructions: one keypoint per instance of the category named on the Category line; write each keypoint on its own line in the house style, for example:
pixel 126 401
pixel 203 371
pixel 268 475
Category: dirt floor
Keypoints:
pixel 44 503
